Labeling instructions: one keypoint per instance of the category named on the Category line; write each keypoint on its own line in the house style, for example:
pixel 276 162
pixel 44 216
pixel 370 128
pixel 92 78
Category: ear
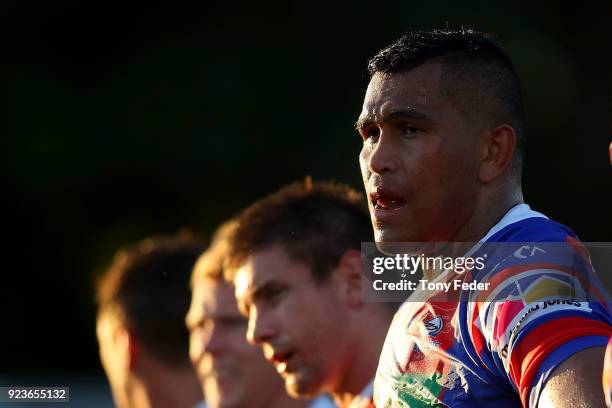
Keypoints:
pixel 348 272
pixel 132 349
pixel 499 146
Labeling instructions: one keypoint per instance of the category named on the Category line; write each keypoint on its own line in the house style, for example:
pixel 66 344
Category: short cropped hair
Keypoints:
pixel 211 264
pixel 478 75
pixel 315 223
pixel 147 286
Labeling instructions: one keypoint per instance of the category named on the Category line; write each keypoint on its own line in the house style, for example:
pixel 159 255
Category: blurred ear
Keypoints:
pixel 499 146
pixel 132 349
pixel 348 272
pixel 114 342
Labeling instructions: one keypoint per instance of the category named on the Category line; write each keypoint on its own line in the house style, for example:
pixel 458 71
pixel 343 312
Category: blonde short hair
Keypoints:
pixel 213 261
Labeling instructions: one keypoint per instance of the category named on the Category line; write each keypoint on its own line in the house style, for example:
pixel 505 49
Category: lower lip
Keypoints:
pixel 383 215
pixel 283 367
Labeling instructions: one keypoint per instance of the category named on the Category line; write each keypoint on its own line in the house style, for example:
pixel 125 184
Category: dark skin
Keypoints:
pixel 434 175
pixel 443 170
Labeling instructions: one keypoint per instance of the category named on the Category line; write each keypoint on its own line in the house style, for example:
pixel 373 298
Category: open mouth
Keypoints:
pixel 382 199
pixel 281 359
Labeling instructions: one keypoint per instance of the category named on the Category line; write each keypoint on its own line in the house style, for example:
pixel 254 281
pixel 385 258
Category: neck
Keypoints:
pixel 136 394
pixel 490 209
pixel 360 371
pixel 283 400
pixel 170 387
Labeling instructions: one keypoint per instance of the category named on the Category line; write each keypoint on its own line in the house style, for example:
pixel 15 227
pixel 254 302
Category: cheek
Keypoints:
pixel 459 175
pixel 432 172
pixel 321 331
pixel 364 159
pixel 108 355
pixel 237 342
pixel 104 358
pixel 293 319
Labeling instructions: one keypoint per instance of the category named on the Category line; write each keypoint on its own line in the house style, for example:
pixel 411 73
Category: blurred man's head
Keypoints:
pixel 442 129
pixel 233 373
pixel 142 300
pixel 297 268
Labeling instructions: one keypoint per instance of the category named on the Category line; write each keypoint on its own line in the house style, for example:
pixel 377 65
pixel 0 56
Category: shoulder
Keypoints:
pixel 533 229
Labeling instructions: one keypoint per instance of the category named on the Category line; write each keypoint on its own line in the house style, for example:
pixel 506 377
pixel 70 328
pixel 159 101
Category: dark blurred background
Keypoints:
pixel 127 119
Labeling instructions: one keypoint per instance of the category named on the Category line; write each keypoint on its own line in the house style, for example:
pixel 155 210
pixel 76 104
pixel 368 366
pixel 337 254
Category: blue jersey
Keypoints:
pixel 497 347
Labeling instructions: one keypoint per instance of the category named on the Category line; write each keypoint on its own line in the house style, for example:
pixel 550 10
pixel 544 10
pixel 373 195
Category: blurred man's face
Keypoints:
pixel 233 373
pixel 420 157
pixel 297 321
pixel 114 355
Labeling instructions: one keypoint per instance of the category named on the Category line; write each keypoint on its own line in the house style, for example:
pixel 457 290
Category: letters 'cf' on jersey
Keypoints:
pixel 497 347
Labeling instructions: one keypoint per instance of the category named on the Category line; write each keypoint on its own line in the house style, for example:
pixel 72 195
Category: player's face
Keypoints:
pixel 419 159
pixel 233 373
pixel 297 321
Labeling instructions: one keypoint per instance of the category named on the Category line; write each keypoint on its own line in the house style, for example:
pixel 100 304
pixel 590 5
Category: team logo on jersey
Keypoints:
pixel 434 326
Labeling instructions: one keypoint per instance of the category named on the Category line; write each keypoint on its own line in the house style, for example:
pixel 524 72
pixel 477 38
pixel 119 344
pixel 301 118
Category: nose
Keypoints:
pixel 261 327
pixel 382 156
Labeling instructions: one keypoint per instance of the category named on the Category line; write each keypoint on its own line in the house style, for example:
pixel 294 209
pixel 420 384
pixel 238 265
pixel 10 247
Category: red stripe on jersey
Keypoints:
pixel 578 248
pixel 476 335
pixel 504 316
pixel 528 354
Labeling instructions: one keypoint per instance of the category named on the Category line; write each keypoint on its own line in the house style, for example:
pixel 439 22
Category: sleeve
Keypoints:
pixel 544 304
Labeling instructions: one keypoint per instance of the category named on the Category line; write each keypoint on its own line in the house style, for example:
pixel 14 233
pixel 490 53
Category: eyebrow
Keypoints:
pixel 192 322
pixel 405 113
pixel 257 291
pixel 244 301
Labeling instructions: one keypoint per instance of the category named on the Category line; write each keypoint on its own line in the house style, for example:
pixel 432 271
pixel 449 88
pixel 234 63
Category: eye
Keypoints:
pixel 409 130
pixel 231 322
pixel 272 294
pixel 369 132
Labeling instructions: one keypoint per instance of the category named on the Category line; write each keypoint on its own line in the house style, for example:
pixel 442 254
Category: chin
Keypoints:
pixel 301 386
pixel 222 397
pixel 380 235
pixel 391 243
pixel 386 235
pixel 231 401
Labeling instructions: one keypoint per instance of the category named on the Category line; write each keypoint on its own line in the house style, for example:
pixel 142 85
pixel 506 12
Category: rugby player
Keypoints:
pixel 143 298
pixel 296 264
pixel 233 373
pixel 443 140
